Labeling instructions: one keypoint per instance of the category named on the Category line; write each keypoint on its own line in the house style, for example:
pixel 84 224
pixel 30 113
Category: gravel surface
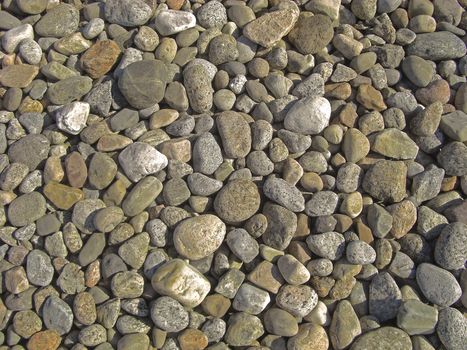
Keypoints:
pixel 229 174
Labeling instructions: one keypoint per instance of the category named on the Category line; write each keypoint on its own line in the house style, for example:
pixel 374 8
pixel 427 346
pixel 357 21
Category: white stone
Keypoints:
pixel 169 22
pixel 308 116
pixel 72 118
pixel 320 315
pixel 181 281
pixel 30 51
pixel 14 36
pixel 141 159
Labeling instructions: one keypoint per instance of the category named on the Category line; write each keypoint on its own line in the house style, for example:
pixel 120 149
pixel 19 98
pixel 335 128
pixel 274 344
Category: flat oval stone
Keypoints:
pixel 26 209
pixel 57 315
pixel 199 237
pixel 437 46
pixel 235 134
pixel 382 339
pixel 141 196
pixel 143 83
pixel 39 268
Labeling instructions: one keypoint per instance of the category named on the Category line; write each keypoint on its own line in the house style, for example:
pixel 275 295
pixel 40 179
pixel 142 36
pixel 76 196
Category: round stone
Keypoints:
pixel 237 201
pixel 199 237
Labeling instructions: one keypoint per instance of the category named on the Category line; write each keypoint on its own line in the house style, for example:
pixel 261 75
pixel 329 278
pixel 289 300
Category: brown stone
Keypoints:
pixel 100 58
pixel 272 26
pixel 311 33
pixel 92 274
pixel 448 183
pixel 192 339
pixel 370 98
pixel 338 91
pixel 348 115
pixel 322 285
pixel 18 75
pixel 309 336
pixel 76 170
pixel 28 105
pixel 404 216
pixel 176 149
pixel 62 196
pixel 175 4
pixel 163 118
pixel 26 323
pixel 216 305
pixel 45 340
pixel 53 170
pixel 436 91
pixel 113 142
pixel 84 308
pixel 16 280
pixel 267 276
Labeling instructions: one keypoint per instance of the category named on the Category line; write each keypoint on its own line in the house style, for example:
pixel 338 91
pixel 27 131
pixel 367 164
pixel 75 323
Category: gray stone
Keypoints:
pixel 383 338
pixel 199 237
pixel 242 245
pixel 283 193
pixel 30 150
pixel 322 203
pixel 438 46
pixel 439 286
pixel 26 209
pixel 127 12
pixel 451 246
pixel 142 83
pixel 169 315
pixel 384 297
pixel 58 22
pixel 329 245
pixel 451 328
pixel 39 268
pixel 414 317
pixel 57 315
pixel 251 299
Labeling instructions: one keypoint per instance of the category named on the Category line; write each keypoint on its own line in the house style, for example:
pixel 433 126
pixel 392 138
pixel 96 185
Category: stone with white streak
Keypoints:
pixel 141 159
pixel 171 22
pixel 72 118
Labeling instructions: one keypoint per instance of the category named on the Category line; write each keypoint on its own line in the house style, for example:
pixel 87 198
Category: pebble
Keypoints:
pixel 181 281
pixel 272 26
pixel 138 78
pixel 243 329
pixel 386 181
pixel 57 315
pixel 58 22
pixel 437 46
pixel 308 116
pixel 345 326
pixel 311 34
pixel 438 285
pixel 450 248
pixel 140 159
pixel 281 192
pixel 237 201
pixel 127 13
pixel 329 245
pixel 414 317
pixel 198 237
pixel 169 315
pixel 383 337
pixel 169 22
pixel 451 325
pixel 72 118
pixel 242 245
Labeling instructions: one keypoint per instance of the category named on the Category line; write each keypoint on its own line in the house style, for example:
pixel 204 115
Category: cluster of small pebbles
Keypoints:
pixel 230 174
